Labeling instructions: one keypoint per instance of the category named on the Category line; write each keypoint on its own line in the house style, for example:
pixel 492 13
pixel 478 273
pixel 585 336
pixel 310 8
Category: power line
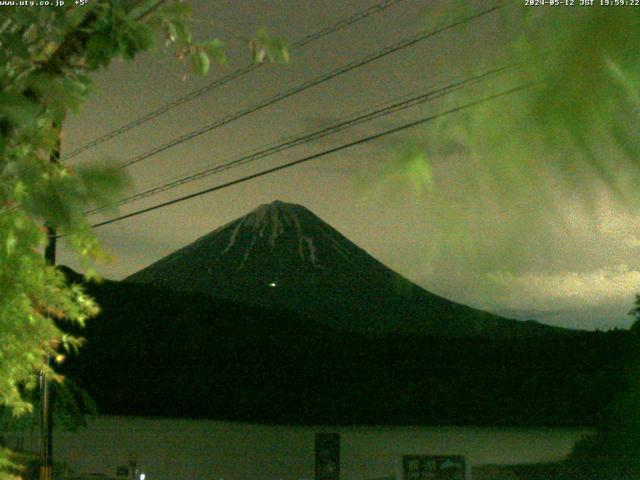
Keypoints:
pixel 421 36
pixel 314 156
pixel 312 37
pixel 336 127
pixel 310 136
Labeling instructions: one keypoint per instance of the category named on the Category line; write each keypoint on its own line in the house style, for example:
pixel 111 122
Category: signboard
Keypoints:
pixel 433 467
pixel 327 456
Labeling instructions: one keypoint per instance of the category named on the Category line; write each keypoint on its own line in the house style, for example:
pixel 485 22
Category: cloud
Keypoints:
pixel 574 267
pixel 570 288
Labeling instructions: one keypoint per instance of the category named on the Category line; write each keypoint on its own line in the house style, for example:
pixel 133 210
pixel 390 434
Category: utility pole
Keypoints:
pixel 46 406
pixel 46 427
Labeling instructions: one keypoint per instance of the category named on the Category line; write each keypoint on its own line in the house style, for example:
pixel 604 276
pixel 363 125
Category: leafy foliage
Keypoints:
pixel 268 48
pixel 46 55
pixel 580 114
pixel 71 406
pixel 572 134
pixel 574 130
pixel 612 452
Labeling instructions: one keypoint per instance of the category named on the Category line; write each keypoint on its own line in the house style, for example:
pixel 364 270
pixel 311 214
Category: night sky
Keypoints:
pixel 582 274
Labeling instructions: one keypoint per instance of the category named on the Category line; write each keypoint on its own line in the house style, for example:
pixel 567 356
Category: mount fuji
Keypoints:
pixel 283 255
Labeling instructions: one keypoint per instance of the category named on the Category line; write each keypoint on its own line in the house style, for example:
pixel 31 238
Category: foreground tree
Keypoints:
pixel 46 55
pixel 569 133
pixel 613 452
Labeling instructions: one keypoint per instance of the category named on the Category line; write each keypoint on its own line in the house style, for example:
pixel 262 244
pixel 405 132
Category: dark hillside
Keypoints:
pixel 155 351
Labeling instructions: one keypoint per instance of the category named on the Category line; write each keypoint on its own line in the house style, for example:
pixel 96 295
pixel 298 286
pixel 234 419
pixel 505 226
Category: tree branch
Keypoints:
pixel 151 10
pixel 73 44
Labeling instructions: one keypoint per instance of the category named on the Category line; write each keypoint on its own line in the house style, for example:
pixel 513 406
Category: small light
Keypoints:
pixel 142 476
pixel 273 284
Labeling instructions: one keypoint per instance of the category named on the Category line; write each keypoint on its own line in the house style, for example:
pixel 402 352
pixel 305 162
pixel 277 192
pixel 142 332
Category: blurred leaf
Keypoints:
pixel 135 39
pixel 270 48
pixel 258 53
pixel 11 242
pixel 200 61
pixel 419 171
pixel 75 16
pixel 31 34
pixel 406 165
pixel 215 50
pixel 179 32
pixel 15 44
pixel 172 32
pixel 19 110
pixel 103 184
pixel 99 51
pixel 59 94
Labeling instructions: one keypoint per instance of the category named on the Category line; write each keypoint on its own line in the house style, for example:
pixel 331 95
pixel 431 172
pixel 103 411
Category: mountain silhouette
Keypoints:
pixel 153 351
pixel 282 254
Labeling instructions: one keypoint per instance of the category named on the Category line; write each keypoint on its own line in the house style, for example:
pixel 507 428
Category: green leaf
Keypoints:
pixel 278 50
pixel 103 184
pixel 10 243
pixel 411 166
pixel 258 53
pixel 31 34
pixel 271 48
pixel 214 49
pixel 15 44
pixel 133 40
pixel 75 16
pixel 181 32
pixel 18 109
pixel 200 62
pixel 100 50
pixel 172 32
pixel 19 190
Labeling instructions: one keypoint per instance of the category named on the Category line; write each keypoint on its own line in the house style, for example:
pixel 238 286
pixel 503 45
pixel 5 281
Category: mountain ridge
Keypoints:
pixel 283 254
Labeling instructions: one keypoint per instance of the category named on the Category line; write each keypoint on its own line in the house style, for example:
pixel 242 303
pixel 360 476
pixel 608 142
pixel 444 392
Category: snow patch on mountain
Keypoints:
pixel 276 229
pixel 271 221
pixel 234 235
pixel 312 250
pixel 247 253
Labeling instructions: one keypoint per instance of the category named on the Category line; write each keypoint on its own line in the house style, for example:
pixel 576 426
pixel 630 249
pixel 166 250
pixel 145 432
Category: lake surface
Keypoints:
pixel 179 449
